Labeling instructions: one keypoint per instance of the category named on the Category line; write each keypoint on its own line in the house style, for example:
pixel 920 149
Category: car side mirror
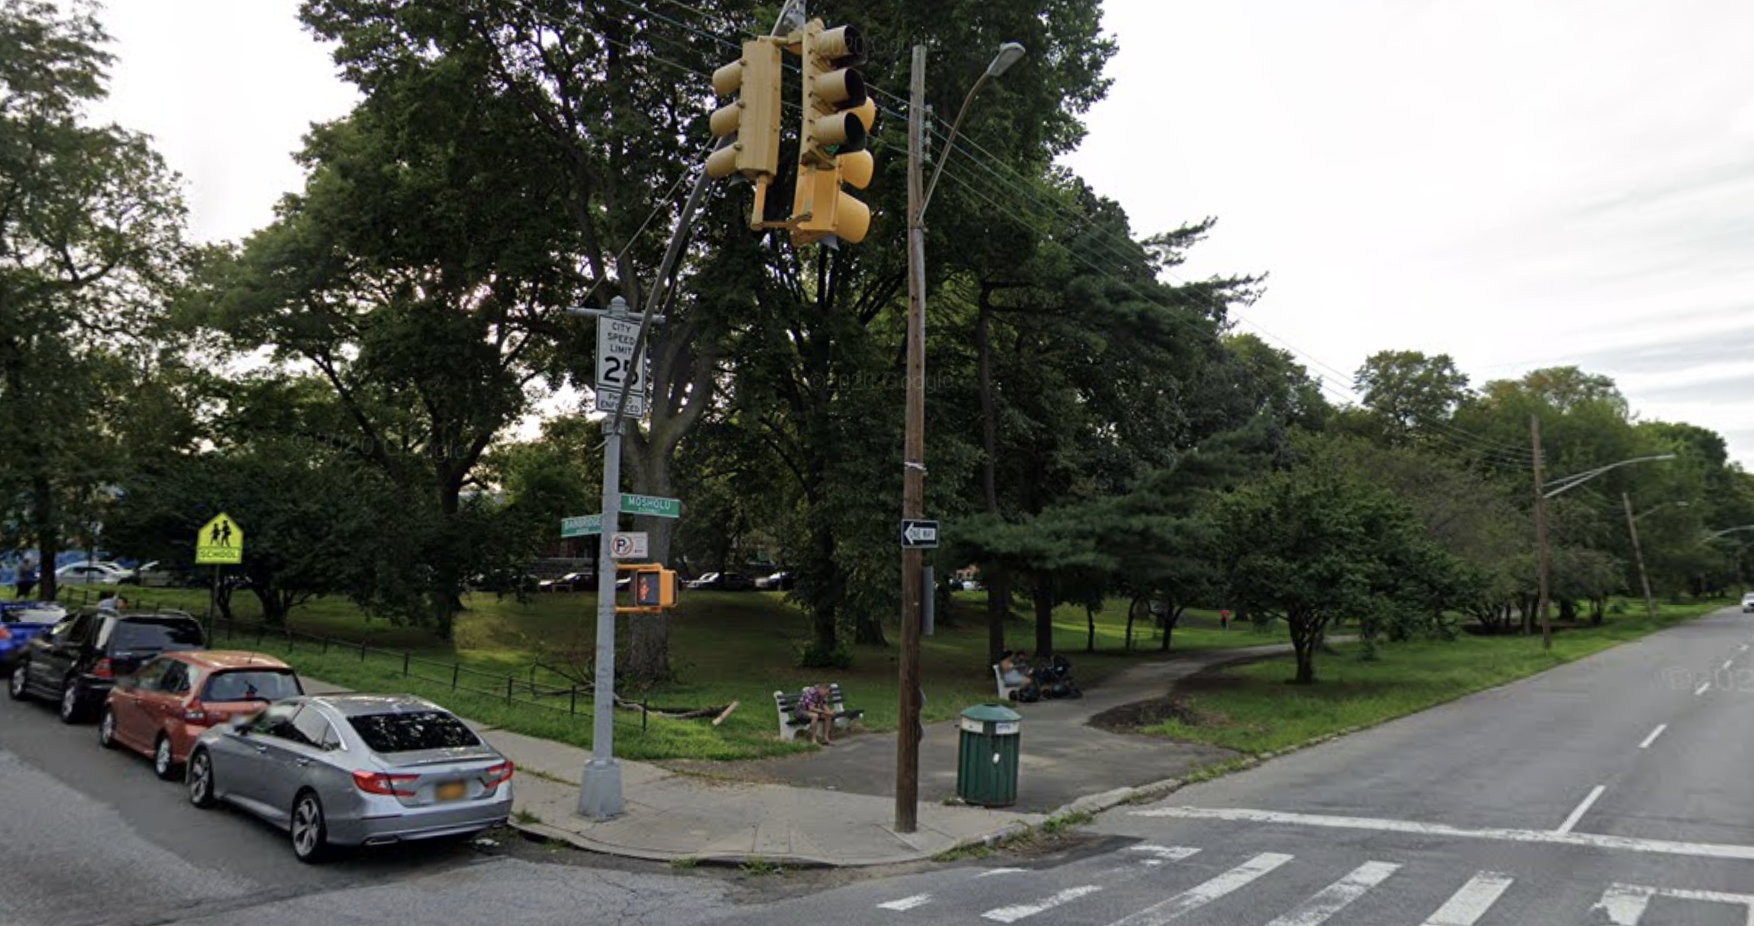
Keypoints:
pixel 239 725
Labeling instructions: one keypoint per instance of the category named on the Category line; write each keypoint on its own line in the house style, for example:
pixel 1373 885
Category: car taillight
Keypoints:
pixel 382 783
pixel 102 669
pixel 4 633
pixel 499 773
pixel 197 712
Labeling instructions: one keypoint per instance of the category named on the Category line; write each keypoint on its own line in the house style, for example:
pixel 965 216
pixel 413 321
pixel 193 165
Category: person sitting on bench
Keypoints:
pixel 813 706
pixel 1012 669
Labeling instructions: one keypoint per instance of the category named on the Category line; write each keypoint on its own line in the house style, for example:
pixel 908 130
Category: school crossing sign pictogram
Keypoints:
pixel 220 542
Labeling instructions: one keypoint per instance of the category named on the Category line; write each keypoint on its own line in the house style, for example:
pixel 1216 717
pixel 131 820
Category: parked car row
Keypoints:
pixel 331 770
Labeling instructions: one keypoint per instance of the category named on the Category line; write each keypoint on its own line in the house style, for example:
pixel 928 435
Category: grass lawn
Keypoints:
pixel 725 646
pixel 1254 708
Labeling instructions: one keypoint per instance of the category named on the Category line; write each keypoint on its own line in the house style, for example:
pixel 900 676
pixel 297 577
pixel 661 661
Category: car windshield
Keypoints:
pixel 158 633
pixel 251 685
pixel 413 731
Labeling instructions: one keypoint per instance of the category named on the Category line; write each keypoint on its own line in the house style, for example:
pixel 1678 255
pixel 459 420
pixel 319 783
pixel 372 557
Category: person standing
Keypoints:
pixel 27 574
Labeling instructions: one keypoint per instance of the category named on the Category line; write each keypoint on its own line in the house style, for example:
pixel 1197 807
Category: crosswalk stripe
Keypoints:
pixel 1017 912
pixel 1466 906
pixel 1202 894
pixel 1335 897
pixel 998 871
pixel 1625 903
pixel 906 903
pixel 1160 854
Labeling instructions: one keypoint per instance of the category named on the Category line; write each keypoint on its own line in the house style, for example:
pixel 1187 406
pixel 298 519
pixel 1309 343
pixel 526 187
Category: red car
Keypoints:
pixel 161 709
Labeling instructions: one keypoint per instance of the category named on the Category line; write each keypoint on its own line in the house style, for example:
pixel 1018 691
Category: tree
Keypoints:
pixel 1314 544
pixel 90 235
pixel 312 519
pixel 1408 392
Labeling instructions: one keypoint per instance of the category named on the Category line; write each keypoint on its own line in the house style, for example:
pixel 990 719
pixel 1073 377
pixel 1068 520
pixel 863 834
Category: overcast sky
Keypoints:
pixel 1517 184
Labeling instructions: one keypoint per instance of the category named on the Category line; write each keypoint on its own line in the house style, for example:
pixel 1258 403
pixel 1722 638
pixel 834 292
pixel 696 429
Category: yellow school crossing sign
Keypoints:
pixel 220 543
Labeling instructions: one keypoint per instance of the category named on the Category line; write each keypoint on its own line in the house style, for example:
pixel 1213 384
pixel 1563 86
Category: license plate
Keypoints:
pixel 451 791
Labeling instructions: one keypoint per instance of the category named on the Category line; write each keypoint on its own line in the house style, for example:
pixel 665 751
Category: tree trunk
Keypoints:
pixel 1044 619
pixel 1090 629
pixel 648 652
pixel 48 537
pixel 1305 637
pixel 1171 617
pixel 1133 611
pixel 868 630
pixel 274 604
pixel 822 604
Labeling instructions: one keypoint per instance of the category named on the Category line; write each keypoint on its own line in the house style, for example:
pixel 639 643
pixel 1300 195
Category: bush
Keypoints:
pixel 813 656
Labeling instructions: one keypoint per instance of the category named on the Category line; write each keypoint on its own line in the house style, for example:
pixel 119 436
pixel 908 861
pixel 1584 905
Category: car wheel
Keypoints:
pixel 201 780
pixel 15 687
pixel 163 763
pixel 106 729
pixel 310 833
pixel 71 709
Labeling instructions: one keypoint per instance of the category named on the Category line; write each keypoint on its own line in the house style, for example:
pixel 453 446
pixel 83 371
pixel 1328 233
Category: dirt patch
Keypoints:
pixel 1131 718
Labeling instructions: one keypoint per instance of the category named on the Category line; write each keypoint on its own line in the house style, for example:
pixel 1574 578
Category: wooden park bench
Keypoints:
pixel 786 703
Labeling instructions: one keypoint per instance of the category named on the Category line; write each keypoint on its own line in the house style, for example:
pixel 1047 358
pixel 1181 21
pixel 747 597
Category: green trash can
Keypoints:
pixel 986 762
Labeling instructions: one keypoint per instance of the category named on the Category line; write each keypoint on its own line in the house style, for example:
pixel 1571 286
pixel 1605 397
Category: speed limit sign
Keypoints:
pixel 618 370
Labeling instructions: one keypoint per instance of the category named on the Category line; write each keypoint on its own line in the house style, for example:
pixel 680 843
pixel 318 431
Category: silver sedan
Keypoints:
pixel 354 769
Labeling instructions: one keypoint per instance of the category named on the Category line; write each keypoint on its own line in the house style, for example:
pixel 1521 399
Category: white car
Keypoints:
pixel 95 573
pixel 1748 602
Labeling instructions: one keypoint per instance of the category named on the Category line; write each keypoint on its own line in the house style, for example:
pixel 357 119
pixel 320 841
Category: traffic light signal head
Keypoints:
pixel 838 113
pixel 654 587
pixel 753 118
pixel 832 212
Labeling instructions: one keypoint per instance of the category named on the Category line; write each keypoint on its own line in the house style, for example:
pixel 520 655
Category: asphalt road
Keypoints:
pixel 90 837
pixel 1616 790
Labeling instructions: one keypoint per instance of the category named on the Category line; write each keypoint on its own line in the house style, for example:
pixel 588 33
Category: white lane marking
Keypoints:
pixel 1466 906
pixel 1202 894
pixel 1653 736
pixel 1335 897
pixel 999 871
pixel 1019 911
pixel 1742 649
pixel 1702 689
pixel 1548 837
pixel 1729 662
pixel 906 903
pixel 1581 809
pixel 1625 903
pixel 1161 854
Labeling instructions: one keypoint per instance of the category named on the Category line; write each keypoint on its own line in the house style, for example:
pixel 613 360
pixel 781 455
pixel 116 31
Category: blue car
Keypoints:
pixel 21 620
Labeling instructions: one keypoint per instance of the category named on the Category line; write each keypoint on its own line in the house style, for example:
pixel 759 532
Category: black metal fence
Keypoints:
pixel 572 699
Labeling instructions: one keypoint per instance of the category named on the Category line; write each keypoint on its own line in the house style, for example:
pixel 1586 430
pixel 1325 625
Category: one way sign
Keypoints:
pixel 919 533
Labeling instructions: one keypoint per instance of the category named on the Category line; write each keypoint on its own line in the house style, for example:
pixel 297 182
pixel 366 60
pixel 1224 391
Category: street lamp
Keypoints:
pixel 913 485
pixel 1542 493
pixel 1650 606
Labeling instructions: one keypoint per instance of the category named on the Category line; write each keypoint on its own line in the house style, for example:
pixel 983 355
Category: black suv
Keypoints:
pixel 78 660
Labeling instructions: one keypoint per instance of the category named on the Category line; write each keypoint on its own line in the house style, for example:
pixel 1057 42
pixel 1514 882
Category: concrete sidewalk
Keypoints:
pixel 836 806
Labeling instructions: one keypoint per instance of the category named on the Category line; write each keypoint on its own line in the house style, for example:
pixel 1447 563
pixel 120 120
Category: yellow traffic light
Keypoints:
pixel 827 210
pixel 753 117
pixel 838 113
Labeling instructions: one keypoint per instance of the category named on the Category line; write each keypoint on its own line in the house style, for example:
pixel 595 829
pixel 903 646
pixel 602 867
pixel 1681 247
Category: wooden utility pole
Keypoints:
pixel 1541 533
pixel 1650 605
pixel 913 485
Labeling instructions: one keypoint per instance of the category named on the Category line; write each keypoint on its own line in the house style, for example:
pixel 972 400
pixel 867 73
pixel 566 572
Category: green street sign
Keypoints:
pixel 651 505
pixel 581 526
